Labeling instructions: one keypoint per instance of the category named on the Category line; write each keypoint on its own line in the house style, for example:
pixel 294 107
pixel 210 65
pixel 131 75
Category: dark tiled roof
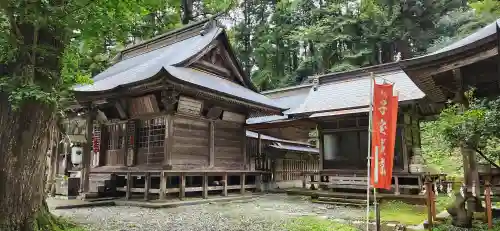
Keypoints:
pixel 351 93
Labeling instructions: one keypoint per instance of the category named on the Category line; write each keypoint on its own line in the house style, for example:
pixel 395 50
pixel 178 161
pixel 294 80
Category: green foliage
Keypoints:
pixel 48 47
pixel 473 126
pixel 310 223
pixel 280 43
pixel 437 154
pixel 45 221
pixel 477 225
pixel 397 211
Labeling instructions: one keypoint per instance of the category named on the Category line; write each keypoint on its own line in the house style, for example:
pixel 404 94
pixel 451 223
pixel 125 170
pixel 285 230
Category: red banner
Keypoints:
pixel 384 117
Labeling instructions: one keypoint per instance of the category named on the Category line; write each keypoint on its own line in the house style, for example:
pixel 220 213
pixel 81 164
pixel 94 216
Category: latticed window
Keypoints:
pixel 152 132
pixel 116 134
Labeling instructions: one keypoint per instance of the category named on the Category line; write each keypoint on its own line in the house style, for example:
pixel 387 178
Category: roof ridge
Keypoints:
pixel 290 88
pixel 169 34
pixel 356 73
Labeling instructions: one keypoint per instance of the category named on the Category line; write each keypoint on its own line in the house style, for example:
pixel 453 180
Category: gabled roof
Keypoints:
pixel 165 57
pixel 482 36
pixel 335 94
pixel 289 97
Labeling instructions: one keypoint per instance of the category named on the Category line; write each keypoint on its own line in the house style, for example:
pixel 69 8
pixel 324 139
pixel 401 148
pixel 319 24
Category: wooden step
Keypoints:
pixel 345 200
pixel 339 203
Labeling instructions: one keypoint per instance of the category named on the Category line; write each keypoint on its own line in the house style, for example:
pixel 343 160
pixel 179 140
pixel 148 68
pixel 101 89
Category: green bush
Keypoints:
pixel 310 223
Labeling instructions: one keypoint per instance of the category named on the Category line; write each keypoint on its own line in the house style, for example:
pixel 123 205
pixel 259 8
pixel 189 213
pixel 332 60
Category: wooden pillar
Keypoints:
pixel 124 144
pixel 168 142
pixel 54 153
pixel 212 143
pixel 244 148
pixel 487 195
pixel 428 187
pixel 304 180
pixel 128 193
pixel 242 182
pixel 258 183
pixel 396 185
pixel 87 150
pixel 205 186
pixel 103 147
pixel 321 147
pixel 182 185
pixel 224 189
pixel 147 185
pixel 259 156
pixel 56 166
pixel 163 185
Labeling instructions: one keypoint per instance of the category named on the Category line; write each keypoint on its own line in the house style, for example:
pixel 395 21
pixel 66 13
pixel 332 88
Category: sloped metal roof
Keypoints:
pixel 476 39
pixel 482 33
pixel 255 135
pixel 294 148
pixel 355 92
pixel 220 85
pixel 167 58
pixel 295 97
pixel 149 64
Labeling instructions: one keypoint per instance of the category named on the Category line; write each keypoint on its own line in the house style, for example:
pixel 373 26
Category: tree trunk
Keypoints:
pixel 23 145
pixel 187 11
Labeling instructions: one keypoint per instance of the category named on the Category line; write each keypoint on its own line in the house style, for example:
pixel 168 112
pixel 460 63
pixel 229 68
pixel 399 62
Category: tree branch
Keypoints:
pixel 487 159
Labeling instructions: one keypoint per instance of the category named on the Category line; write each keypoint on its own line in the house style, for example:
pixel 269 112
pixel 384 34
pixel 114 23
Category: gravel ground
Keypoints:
pixel 267 212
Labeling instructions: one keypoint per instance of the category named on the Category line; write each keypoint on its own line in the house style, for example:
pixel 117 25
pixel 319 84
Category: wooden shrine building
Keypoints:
pixel 336 106
pixel 167 118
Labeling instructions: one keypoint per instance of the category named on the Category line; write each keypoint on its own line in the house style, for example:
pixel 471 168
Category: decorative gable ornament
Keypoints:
pixel 189 106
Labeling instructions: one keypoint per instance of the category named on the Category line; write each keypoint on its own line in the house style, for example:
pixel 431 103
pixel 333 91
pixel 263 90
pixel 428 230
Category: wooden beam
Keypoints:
pixel 147 185
pixel 202 53
pixel 230 62
pixel 303 123
pixel 121 110
pixel 463 62
pixel 212 67
pixel 163 185
pixel 205 186
pixel 211 143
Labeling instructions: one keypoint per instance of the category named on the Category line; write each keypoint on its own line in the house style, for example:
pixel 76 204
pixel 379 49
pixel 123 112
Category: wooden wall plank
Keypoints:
pixel 190 148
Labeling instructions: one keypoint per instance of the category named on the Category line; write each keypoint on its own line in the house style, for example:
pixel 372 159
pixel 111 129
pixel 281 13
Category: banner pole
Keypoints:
pixel 369 158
